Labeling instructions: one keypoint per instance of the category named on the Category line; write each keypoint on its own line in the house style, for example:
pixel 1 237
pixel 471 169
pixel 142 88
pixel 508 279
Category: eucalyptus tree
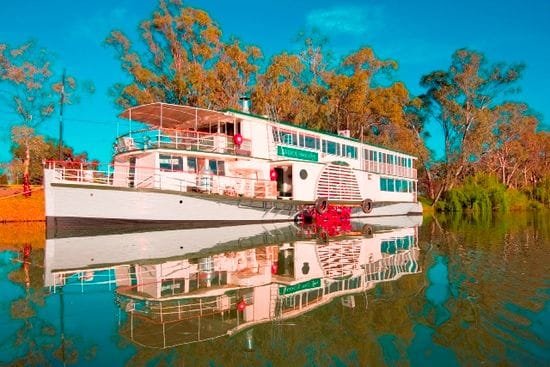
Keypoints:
pixel 30 90
pixel 184 60
pixel 461 100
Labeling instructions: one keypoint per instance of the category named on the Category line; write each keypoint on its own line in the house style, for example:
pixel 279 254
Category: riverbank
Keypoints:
pixel 16 208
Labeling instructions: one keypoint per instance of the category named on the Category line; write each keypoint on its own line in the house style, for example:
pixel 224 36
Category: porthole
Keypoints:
pixel 303 174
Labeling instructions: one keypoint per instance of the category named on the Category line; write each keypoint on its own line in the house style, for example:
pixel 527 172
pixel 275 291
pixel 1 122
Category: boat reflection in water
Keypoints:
pixel 180 287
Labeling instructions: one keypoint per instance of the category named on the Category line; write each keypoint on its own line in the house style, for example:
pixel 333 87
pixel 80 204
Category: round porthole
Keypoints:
pixel 303 174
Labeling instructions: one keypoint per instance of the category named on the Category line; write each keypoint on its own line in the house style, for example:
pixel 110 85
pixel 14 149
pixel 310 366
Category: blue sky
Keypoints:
pixel 420 35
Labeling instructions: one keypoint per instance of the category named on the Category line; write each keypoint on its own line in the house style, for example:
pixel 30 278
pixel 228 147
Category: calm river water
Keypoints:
pixel 452 291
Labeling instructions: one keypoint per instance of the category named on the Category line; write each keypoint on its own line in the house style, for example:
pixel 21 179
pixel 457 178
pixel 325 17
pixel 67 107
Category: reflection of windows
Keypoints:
pixel 170 162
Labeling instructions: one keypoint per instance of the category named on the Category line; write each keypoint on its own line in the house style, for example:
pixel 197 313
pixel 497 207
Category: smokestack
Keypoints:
pixel 245 103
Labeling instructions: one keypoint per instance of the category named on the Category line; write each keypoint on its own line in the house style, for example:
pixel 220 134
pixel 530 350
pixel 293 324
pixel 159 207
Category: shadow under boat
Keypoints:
pixel 82 227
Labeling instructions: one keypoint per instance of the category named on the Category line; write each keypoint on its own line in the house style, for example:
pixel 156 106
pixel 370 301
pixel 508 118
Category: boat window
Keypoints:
pixel 309 142
pixel 351 152
pixel 383 184
pixel 391 184
pixel 331 147
pixel 217 167
pixel 170 163
pixel 213 165
pixel 192 164
pixel 287 137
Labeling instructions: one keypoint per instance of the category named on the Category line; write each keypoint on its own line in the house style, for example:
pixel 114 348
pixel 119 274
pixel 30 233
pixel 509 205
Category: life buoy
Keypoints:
pixel 366 205
pixel 367 231
pixel 321 205
pixel 238 139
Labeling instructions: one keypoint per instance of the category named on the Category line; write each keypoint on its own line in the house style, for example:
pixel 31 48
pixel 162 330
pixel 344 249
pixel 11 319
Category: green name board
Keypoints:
pixel 297 153
pixel 313 283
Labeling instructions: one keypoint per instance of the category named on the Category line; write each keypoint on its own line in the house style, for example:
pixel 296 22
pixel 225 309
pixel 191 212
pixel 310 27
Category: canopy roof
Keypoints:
pixel 172 116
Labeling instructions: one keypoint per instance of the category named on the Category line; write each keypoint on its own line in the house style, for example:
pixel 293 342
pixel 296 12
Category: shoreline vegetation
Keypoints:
pixel 483 193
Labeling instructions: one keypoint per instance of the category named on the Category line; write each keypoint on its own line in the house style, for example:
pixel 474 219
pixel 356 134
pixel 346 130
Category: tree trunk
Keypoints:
pixel 26 180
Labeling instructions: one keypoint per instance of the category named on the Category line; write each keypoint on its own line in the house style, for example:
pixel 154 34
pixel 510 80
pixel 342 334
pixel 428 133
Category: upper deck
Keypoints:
pixel 184 128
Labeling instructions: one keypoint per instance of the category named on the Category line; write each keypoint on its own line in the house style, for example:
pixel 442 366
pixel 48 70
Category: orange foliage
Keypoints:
pixel 15 235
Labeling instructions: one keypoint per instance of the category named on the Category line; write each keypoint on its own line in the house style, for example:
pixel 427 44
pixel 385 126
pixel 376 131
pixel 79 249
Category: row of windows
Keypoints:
pixel 396 185
pixel 397 244
pixel 377 156
pixel 169 162
pixel 308 141
pixel 339 149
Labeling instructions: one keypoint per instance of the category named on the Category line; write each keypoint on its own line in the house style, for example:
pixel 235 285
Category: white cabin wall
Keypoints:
pixel 369 184
pixel 120 174
pixel 258 132
pixel 146 166
pixel 305 189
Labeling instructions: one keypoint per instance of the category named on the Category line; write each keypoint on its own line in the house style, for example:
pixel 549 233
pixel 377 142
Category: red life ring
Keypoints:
pixel 238 139
pixel 366 205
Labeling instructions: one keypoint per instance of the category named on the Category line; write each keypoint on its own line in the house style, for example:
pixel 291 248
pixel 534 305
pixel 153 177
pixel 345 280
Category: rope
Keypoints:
pixel 20 193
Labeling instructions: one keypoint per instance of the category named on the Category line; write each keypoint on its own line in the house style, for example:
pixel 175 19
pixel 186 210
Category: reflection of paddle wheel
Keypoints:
pixel 333 220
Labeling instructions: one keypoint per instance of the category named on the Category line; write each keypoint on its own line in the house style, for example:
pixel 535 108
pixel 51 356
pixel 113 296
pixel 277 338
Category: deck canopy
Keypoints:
pixel 170 116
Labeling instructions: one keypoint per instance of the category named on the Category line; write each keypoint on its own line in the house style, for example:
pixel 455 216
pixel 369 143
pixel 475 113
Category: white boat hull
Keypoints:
pixel 72 204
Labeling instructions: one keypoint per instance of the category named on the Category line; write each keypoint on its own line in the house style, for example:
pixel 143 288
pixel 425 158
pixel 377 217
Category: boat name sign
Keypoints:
pixel 312 283
pixel 297 153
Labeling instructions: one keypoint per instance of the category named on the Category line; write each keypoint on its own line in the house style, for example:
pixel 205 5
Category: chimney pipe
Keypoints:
pixel 245 103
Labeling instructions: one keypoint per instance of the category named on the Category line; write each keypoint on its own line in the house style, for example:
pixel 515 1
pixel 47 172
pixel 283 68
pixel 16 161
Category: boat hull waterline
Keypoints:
pixel 100 205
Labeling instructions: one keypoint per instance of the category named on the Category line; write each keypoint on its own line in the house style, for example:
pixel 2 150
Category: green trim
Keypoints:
pixel 310 284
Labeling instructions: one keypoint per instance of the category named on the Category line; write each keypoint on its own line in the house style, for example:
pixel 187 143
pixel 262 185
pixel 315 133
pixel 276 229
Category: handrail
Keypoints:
pixel 181 140
pixel 160 179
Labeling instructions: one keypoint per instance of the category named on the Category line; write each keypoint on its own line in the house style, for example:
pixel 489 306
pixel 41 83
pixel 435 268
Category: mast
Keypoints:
pixel 61 103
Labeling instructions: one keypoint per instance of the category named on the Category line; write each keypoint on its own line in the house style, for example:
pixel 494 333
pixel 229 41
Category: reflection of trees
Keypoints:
pixel 37 340
pixel 490 261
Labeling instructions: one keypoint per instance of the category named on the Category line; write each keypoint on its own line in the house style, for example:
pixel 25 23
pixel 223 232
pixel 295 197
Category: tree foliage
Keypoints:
pixel 40 149
pixel 357 94
pixel 481 131
pixel 185 61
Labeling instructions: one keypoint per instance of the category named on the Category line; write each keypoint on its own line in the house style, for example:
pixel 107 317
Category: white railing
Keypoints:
pixel 181 140
pixel 182 181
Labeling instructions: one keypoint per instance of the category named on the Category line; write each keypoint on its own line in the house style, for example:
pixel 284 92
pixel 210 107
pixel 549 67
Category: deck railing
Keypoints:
pixel 389 169
pixel 181 140
pixel 155 178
